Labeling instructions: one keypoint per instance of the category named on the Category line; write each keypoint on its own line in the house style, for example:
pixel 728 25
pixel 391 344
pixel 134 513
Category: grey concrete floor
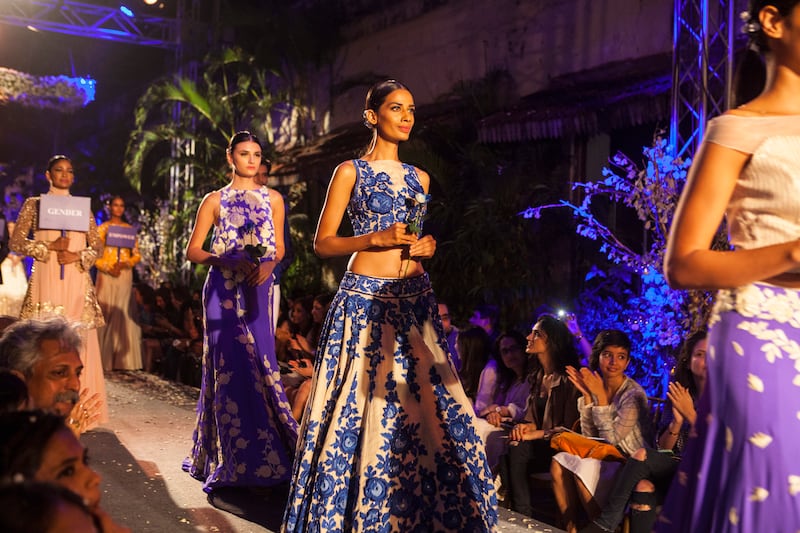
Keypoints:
pixel 139 454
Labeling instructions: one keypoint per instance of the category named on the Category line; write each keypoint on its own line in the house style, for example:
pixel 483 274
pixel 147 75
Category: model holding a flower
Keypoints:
pixel 245 435
pixel 388 439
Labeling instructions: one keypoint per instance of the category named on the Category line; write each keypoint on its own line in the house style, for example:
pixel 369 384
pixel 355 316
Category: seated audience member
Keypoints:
pixel 303 366
pixel 613 407
pixel 486 316
pixel 44 508
pixel 45 354
pixel 319 310
pixel 13 392
pixel 451 332
pixel 37 446
pixel 647 474
pixel 551 403
pixel 300 319
pixel 283 337
pixel 508 397
pixel 478 373
pixel 145 316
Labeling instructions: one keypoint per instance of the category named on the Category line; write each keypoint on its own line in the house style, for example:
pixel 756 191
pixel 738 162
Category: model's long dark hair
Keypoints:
pixel 376 96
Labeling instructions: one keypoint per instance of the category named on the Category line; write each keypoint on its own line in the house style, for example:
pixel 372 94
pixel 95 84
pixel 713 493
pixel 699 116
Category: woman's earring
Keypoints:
pixel 367 123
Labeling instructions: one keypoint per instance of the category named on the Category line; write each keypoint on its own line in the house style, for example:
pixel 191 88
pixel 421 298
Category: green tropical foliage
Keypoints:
pixel 233 94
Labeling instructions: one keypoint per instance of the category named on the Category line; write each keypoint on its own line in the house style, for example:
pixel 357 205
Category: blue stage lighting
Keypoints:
pixel 126 11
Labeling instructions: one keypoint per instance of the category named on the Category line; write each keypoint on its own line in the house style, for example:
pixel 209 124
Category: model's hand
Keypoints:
pixel 115 270
pixel 59 245
pixel 682 403
pixel 239 262
pixel 66 257
pixel 261 274
pixel 394 235
pixel 424 248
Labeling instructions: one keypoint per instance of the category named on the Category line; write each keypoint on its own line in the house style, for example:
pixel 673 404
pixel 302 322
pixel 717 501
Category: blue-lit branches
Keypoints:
pixel 632 292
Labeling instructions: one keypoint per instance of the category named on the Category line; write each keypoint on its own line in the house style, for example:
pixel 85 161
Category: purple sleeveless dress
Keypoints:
pixel 245 433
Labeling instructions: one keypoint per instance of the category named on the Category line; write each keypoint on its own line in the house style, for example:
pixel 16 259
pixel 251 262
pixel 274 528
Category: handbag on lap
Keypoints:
pixel 577 444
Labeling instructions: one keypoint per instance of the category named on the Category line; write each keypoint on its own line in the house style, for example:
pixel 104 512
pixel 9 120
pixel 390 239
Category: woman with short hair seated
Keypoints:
pixel 614 408
pixel 647 474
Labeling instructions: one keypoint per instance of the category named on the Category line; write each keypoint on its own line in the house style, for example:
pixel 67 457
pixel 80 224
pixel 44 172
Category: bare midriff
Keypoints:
pixel 385 263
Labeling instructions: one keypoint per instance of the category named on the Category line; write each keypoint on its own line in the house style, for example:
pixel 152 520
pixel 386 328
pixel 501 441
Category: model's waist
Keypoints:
pixel 391 287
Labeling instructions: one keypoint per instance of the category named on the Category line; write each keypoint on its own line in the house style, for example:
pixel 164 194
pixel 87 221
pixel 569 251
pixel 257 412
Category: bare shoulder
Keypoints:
pixel 211 199
pixel 344 176
pixel 275 197
pixel 424 177
pixel 345 170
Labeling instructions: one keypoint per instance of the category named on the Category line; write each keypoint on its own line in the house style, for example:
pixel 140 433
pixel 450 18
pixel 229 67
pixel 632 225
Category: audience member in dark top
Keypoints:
pixel 552 402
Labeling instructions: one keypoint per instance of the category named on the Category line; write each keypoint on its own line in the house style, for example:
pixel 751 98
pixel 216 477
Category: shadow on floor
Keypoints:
pixel 263 506
pixel 135 494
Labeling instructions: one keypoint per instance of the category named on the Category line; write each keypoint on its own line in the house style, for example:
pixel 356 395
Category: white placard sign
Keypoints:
pixel 64 212
pixel 121 236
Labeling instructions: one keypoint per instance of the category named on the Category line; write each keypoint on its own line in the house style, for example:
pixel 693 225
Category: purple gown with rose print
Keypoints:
pixel 387 441
pixel 245 433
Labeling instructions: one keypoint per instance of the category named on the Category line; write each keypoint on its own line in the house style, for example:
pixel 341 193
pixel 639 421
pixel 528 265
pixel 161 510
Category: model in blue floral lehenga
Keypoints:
pixel 245 435
pixel 387 441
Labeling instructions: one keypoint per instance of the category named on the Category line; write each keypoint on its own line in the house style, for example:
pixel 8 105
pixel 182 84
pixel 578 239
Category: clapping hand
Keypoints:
pixel 589 383
pixel 682 403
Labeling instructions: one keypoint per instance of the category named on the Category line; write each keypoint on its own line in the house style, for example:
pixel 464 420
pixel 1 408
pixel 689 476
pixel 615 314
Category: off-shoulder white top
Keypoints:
pixel 765 206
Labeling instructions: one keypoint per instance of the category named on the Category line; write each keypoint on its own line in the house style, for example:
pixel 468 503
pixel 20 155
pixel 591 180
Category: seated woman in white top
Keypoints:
pixel 501 401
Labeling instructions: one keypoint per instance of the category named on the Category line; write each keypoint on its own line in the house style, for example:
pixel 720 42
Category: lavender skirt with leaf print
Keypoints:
pixel 387 441
pixel 741 470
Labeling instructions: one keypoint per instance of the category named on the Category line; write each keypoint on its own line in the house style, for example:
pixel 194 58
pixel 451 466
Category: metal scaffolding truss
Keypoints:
pixel 86 20
pixel 704 34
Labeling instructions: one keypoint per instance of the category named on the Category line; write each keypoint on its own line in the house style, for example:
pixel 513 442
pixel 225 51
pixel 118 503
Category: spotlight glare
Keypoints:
pixel 150 2
pixel 126 11
pixel 32 28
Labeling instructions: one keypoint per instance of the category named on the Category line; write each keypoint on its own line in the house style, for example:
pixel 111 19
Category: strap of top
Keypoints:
pixel 746 133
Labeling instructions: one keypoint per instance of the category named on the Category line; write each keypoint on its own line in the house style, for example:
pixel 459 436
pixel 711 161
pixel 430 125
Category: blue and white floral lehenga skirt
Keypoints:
pixel 387 441
pixel 741 468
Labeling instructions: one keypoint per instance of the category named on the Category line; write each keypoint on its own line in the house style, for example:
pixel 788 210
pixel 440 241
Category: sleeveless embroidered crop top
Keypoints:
pixel 385 192
pixel 764 208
